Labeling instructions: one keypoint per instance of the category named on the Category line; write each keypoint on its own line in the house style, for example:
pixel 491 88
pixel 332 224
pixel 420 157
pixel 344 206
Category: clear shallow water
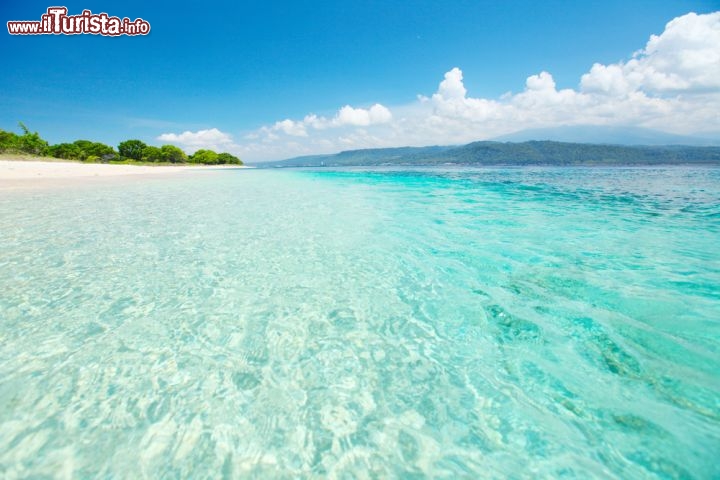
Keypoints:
pixel 450 323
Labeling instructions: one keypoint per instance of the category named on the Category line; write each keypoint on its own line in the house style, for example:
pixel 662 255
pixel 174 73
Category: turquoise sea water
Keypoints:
pixel 446 323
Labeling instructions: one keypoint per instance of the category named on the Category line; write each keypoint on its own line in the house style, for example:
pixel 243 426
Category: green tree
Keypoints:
pixel 206 157
pixel 226 158
pixel 8 141
pixel 83 146
pixel 68 151
pixel 105 152
pixel 172 154
pixel 151 154
pixel 30 142
pixel 94 149
pixel 132 149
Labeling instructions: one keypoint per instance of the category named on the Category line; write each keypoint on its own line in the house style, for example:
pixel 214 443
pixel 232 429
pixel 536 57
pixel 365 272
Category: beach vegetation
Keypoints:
pixel 94 149
pixel 228 159
pixel 8 141
pixel 29 142
pixel 151 154
pixel 207 157
pixel 67 151
pixel 131 151
pixel 83 150
pixel 172 154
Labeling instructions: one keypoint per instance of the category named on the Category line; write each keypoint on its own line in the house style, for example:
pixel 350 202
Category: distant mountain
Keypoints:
pixel 597 134
pixel 370 156
pixel 525 153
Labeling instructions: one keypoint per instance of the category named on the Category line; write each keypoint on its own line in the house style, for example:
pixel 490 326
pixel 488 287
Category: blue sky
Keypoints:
pixel 237 69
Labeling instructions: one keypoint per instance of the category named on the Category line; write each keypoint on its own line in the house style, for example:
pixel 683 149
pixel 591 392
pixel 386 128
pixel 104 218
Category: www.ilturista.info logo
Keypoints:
pixel 57 22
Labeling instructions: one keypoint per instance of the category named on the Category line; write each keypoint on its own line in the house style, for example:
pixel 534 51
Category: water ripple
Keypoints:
pixel 385 323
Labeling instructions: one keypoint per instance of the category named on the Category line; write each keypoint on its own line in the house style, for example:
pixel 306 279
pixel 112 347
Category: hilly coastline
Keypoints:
pixel 538 153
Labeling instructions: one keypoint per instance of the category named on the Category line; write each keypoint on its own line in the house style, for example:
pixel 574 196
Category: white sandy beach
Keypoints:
pixel 30 173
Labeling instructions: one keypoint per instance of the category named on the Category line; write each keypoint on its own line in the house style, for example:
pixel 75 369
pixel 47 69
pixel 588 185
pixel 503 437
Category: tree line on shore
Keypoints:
pixel 128 151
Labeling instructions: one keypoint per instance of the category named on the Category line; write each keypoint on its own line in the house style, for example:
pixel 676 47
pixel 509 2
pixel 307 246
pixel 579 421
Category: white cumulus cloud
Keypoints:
pixel 296 129
pixel 348 115
pixel 684 58
pixel 212 139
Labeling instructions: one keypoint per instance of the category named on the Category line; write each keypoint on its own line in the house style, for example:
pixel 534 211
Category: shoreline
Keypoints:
pixel 35 172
